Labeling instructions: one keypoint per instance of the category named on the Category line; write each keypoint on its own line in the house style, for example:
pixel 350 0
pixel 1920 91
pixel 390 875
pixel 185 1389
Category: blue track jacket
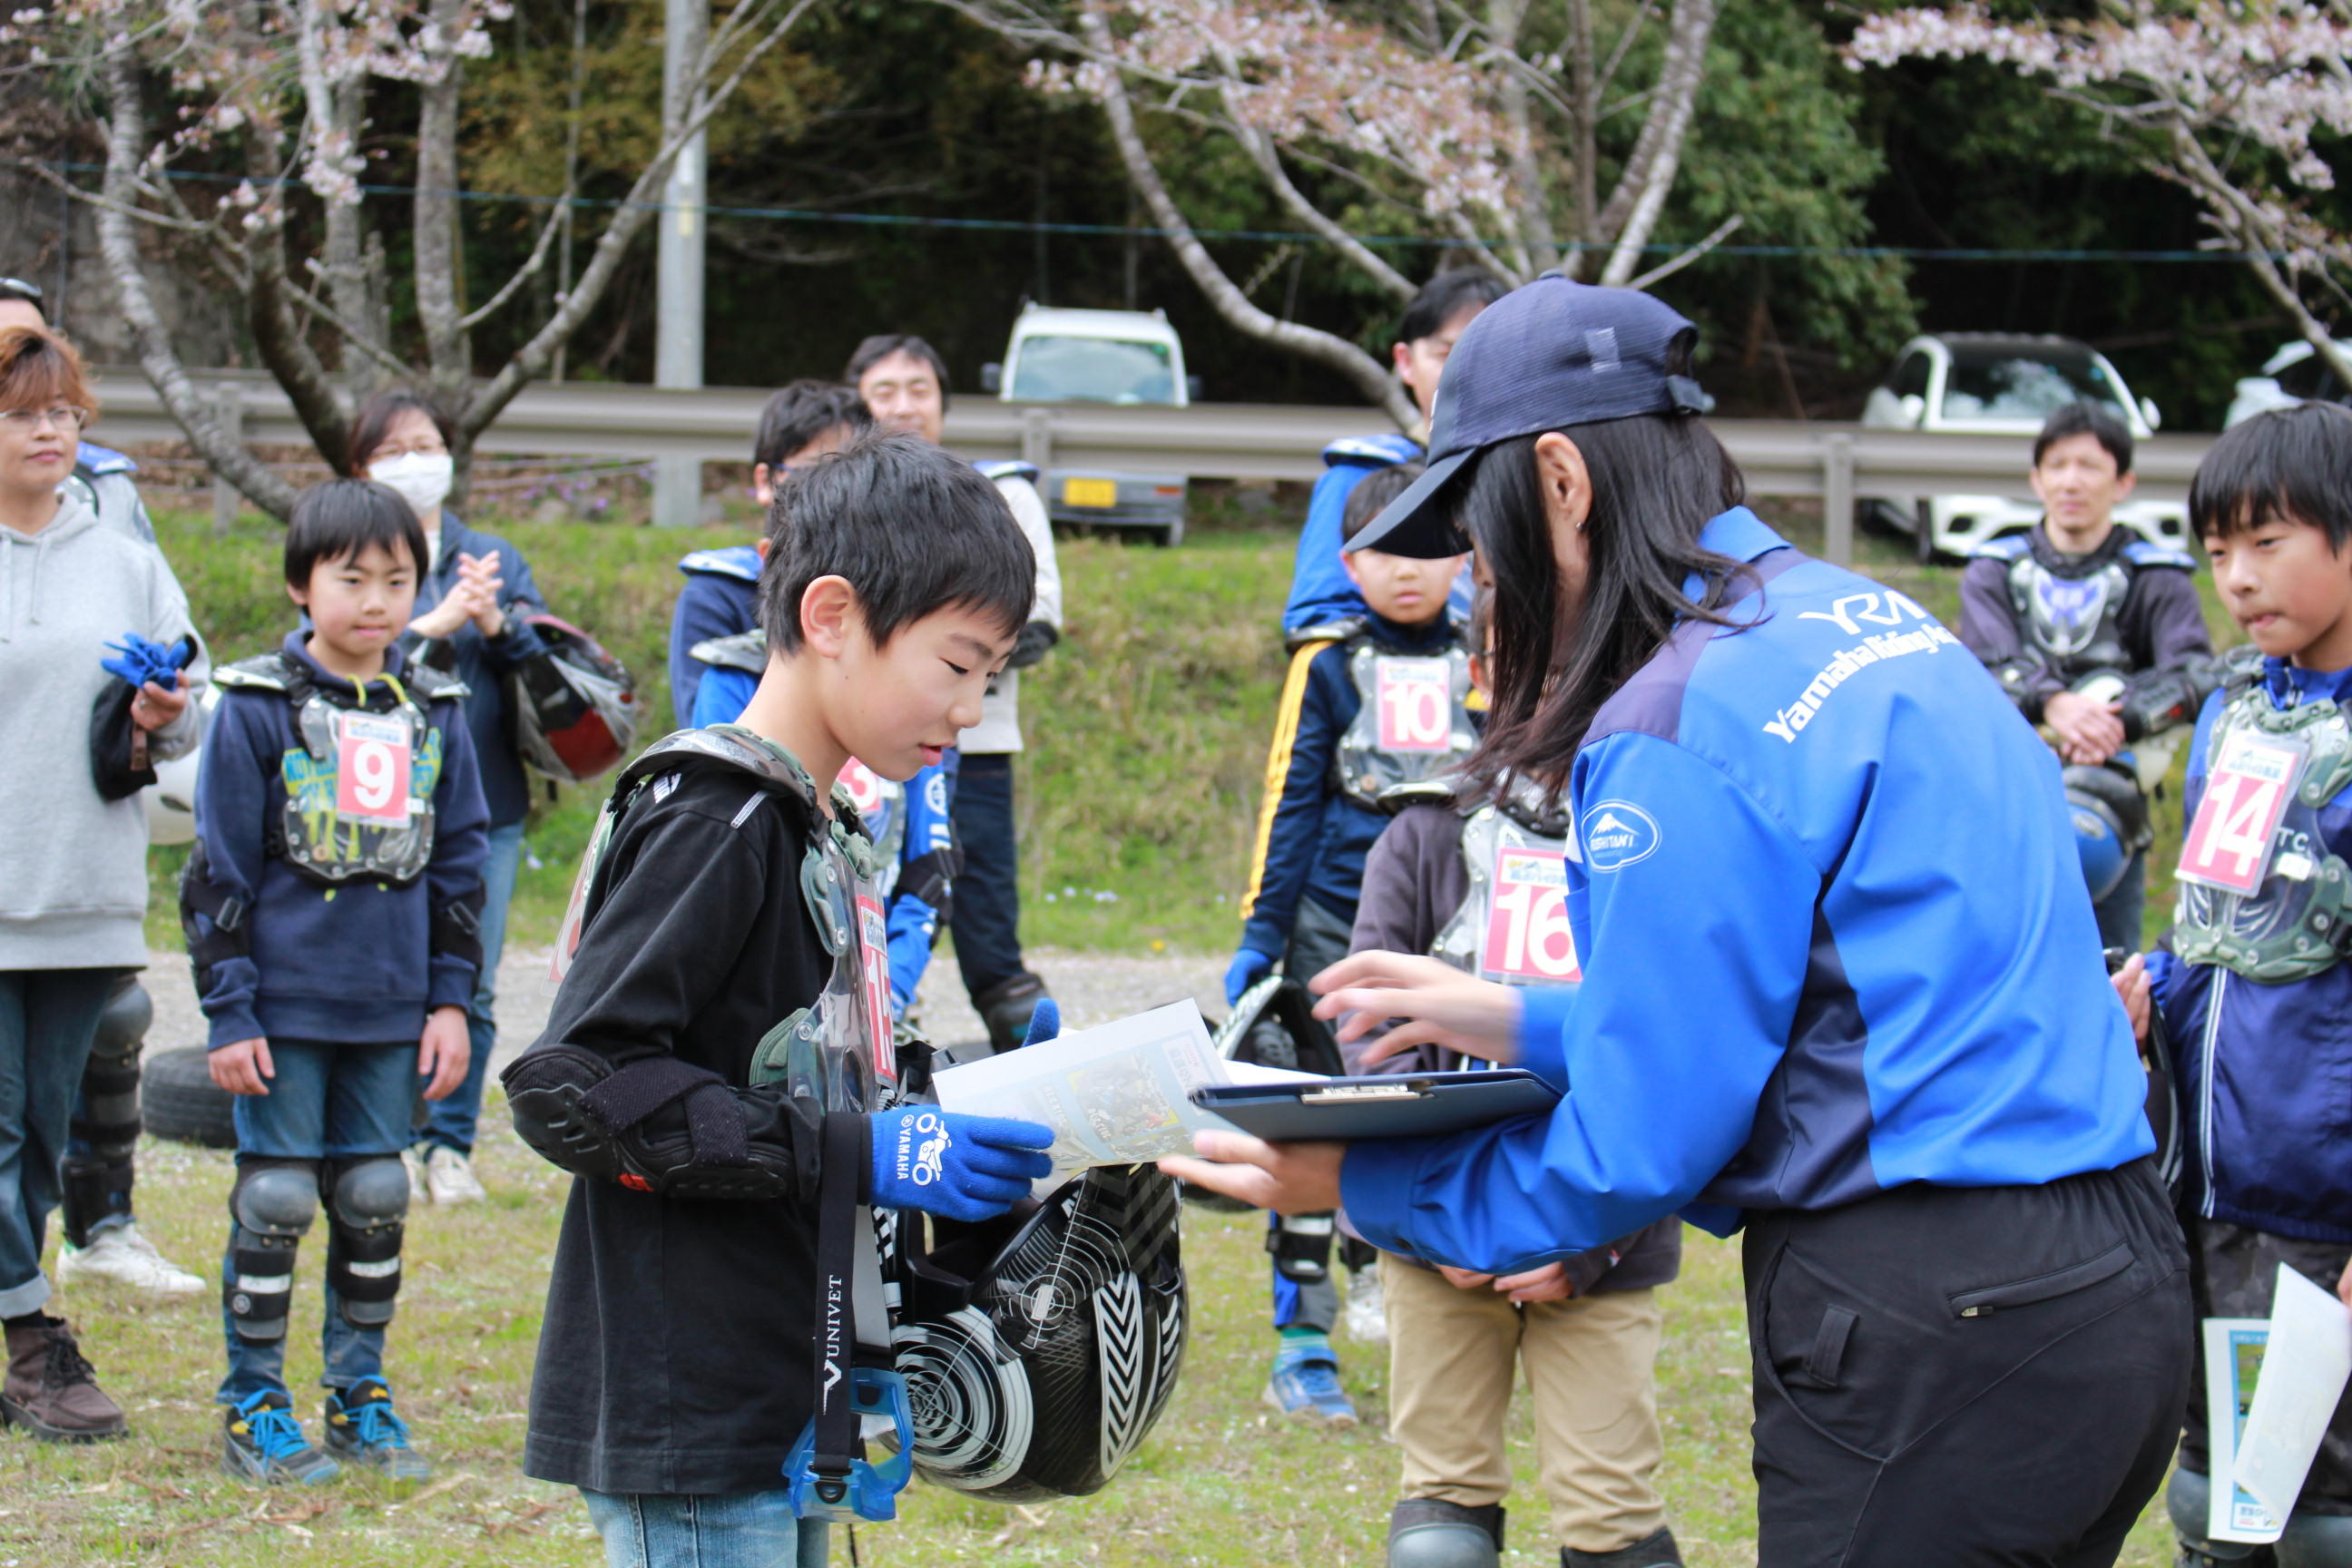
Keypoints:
pixel 721 597
pixel 1835 941
pixel 2265 1071
pixel 913 924
pixel 1311 840
pixel 350 964
pixel 1321 589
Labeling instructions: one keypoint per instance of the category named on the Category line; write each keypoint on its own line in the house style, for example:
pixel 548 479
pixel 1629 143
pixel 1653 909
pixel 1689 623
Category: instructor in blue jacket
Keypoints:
pixel 1842 989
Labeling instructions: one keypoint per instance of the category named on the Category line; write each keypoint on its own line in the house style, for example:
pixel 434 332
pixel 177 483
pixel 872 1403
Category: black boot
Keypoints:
pixel 1657 1551
pixel 1426 1532
pixel 1004 1007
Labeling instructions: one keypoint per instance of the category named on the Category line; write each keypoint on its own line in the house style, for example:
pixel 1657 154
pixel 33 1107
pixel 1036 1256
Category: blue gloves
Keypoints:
pixel 958 1167
pixel 142 661
pixel 1045 1024
pixel 1249 966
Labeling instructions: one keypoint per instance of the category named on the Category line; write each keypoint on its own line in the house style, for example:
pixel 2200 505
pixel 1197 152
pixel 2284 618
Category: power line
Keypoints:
pixel 1278 236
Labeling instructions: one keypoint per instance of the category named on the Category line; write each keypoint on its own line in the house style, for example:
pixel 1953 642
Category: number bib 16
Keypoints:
pixel 1416 701
pixel 2246 795
pixel 372 769
pixel 874 975
pixel 1527 934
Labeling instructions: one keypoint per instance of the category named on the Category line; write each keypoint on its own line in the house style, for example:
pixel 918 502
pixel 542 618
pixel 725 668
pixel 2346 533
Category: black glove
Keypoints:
pixel 2160 699
pixel 1031 645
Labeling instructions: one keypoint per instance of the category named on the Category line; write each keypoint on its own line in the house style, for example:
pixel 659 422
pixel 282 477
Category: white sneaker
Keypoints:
pixel 417 1191
pixel 119 1255
pixel 449 1177
pixel 1366 1314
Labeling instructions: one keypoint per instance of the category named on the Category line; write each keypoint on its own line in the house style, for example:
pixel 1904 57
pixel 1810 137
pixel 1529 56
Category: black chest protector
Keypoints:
pixel 2263 761
pixel 377 824
pixel 1412 719
pixel 2071 623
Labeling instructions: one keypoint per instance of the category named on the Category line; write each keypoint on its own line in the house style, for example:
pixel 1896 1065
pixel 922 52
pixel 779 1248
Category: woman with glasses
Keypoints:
pixel 73 864
pixel 473 617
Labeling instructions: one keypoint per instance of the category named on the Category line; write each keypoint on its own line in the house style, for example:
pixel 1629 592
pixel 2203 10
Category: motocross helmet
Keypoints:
pixel 1039 1348
pixel 2110 818
pixel 575 711
pixel 1274 1026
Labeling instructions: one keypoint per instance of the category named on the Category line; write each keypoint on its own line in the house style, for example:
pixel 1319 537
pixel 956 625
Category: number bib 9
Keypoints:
pixel 2247 792
pixel 1528 933
pixel 1416 704
pixel 373 764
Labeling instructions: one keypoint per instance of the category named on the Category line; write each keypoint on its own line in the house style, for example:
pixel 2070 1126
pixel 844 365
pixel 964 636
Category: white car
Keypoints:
pixel 1987 383
pixel 2294 374
pixel 1123 357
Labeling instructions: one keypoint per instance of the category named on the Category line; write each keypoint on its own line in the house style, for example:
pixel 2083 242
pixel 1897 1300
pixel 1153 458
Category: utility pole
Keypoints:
pixel 678 337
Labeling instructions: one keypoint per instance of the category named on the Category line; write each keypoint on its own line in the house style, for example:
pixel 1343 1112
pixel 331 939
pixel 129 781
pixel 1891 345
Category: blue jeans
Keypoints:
pixel 326 1102
pixel 48 1018
pixel 451 1122
pixel 987 916
pixel 726 1530
pixel 2119 912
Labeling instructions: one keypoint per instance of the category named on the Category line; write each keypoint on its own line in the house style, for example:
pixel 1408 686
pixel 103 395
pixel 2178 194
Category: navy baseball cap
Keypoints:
pixel 1543 357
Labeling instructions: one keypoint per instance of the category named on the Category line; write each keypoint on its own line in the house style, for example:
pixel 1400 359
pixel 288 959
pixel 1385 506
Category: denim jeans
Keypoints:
pixel 2119 912
pixel 727 1530
pixel 326 1102
pixel 451 1122
pixel 48 1019
pixel 986 919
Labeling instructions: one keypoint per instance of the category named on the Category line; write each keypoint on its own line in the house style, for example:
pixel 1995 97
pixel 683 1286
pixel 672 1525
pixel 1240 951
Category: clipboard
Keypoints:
pixel 1397 1105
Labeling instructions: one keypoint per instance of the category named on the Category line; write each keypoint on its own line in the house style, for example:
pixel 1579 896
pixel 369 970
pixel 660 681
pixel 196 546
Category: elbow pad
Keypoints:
pixel 931 878
pixel 1031 645
pixel 663 1126
pixel 456 928
pixel 213 921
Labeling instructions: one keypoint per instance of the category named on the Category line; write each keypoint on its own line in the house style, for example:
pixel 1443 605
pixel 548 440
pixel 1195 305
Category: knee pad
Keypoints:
pixel 367 1200
pixel 272 1204
pixel 1301 1245
pixel 2188 1499
pixel 123 1023
pixel 94 1187
pixel 2315 1541
pixel 106 1116
pixel 1424 1532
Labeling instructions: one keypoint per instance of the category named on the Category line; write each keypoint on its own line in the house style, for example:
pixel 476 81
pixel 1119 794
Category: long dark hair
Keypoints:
pixel 1656 480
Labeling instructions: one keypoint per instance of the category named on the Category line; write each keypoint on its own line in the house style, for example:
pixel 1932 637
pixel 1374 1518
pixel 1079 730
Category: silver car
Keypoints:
pixel 1991 384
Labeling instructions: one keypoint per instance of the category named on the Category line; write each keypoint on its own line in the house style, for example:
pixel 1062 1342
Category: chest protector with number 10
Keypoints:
pixel 2261 892
pixel 1412 720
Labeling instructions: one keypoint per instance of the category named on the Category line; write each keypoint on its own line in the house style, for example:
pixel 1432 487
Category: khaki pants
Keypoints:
pixel 1592 1368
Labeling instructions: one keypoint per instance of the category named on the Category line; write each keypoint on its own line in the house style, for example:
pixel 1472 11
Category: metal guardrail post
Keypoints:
pixel 1837 499
pixel 229 410
pixel 1037 439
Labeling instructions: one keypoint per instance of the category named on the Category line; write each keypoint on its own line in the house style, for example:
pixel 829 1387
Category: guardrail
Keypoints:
pixel 1213 440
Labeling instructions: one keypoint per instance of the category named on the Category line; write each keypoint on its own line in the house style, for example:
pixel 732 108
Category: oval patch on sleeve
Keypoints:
pixel 1616 834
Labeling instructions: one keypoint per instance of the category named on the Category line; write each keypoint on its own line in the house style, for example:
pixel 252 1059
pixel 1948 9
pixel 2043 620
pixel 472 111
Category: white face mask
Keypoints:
pixel 422 479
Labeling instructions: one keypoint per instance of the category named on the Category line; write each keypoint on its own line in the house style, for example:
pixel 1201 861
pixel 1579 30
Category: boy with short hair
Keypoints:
pixel 718 1053
pixel 1472 873
pixel 2097 636
pixel 1372 701
pixel 331 908
pixel 802 421
pixel 2253 987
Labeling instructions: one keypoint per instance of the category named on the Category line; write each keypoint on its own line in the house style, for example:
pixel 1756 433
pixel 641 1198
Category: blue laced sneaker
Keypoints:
pixel 363 1428
pixel 1306 1383
pixel 263 1445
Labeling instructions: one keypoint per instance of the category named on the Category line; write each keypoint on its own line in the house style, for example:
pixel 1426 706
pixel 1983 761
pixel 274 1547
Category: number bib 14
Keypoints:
pixel 1527 934
pixel 1416 699
pixel 2246 795
pixel 371 770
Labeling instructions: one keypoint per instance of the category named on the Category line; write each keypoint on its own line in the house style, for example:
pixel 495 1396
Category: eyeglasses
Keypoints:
pixel 25 421
pixel 21 288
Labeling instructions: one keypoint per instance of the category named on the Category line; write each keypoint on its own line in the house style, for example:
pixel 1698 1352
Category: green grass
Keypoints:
pixel 1221 1482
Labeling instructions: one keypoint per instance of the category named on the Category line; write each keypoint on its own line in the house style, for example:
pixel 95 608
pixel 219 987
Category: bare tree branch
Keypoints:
pixel 1640 199
pixel 526 272
pixel 1723 231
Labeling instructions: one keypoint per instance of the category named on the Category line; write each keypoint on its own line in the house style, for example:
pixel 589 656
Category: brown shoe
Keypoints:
pixel 51 1391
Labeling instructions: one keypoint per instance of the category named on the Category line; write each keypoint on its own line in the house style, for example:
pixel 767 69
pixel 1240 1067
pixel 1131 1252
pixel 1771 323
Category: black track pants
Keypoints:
pixel 1962 1376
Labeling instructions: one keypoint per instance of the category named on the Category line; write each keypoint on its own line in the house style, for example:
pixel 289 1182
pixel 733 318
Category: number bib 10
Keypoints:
pixel 1527 934
pixel 371 770
pixel 2247 792
pixel 1416 702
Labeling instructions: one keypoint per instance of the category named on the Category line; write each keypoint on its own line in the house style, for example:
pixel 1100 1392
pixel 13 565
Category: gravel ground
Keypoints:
pixel 1093 988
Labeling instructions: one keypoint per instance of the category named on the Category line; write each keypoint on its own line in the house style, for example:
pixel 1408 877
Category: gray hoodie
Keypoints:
pixel 73 868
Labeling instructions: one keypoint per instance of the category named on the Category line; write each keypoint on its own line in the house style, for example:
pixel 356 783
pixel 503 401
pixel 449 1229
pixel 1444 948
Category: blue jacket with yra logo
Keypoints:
pixel 1835 941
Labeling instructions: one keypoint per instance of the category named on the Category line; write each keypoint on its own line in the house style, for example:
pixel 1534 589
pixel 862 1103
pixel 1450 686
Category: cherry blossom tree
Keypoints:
pixel 279 91
pixel 2225 97
pixel 1460 124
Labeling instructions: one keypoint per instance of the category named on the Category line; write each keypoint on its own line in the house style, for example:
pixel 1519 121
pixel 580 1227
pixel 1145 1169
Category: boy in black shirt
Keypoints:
pixel 723 1023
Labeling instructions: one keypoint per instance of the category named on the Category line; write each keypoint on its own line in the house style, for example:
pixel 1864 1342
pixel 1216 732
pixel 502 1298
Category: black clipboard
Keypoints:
pixel 1398 1105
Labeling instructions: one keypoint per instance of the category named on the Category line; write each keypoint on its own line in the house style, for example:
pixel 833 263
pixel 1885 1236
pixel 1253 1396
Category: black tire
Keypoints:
pixel 178 1100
